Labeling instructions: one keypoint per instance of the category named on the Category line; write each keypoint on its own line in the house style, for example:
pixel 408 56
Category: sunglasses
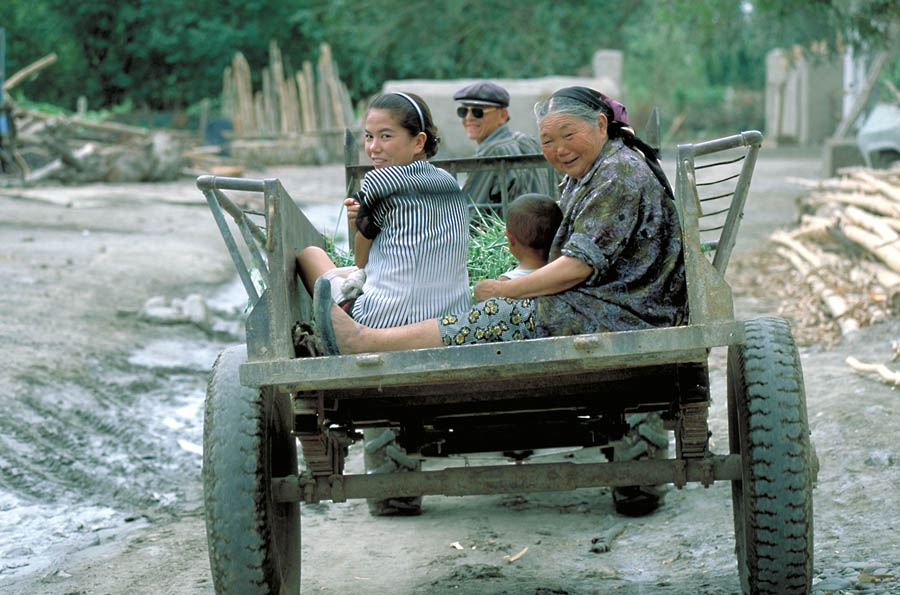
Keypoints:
pixel 477 112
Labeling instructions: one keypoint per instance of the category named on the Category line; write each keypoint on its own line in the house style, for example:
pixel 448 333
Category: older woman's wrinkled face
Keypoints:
pixel 571 144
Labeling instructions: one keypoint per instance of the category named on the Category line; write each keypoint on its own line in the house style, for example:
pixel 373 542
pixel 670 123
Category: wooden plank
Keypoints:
pixel 310 99
pixel 305 102
pixel 290 112
pixel 259 112
pixel 245 122
pixel 229 106
pixel 270 104
pixel 323 102
pixel 328 71
pixel 281 119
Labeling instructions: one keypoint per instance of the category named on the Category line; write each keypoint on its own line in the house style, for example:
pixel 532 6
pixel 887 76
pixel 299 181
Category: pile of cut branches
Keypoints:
pixel 845 253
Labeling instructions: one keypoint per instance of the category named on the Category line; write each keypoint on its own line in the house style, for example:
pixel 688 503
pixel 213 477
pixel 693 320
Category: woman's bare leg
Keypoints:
pixel 353 337
pixel 312 263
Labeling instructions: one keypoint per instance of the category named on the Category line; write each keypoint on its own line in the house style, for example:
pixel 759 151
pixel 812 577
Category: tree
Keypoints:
pixel 164 54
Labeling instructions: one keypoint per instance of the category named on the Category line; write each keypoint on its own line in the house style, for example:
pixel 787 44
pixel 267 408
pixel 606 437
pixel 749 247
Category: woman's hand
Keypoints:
pixel 488 288
pixel 352 209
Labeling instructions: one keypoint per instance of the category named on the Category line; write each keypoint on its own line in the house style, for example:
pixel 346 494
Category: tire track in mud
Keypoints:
pixel 117 441
pixel 100 450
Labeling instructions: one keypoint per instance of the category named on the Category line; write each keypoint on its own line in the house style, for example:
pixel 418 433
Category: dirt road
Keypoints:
pixel 101 413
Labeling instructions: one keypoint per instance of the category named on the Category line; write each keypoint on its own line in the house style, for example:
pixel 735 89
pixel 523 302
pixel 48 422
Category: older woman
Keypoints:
pixel 616 261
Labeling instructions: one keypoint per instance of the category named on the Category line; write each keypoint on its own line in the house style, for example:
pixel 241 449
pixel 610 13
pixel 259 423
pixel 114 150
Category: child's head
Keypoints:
pixel 532 221
pixel 399 130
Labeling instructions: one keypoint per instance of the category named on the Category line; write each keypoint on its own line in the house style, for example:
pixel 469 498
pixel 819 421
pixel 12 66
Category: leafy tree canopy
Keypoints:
pixel 165 54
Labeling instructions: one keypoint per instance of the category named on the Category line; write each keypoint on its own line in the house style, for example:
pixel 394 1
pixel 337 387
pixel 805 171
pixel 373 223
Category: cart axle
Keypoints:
pixel 505 479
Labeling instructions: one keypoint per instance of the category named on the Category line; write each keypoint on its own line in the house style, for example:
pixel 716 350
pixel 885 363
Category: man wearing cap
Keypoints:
pixel 485 118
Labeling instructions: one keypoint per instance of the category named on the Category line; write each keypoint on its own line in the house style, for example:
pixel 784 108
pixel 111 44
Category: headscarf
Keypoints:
pixel 617 128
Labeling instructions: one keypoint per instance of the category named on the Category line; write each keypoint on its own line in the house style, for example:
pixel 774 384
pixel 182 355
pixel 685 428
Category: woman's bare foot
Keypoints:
pixel 347 332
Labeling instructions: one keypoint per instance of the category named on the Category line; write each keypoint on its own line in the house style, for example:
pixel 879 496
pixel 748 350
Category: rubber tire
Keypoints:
pixel 254 542
pixel 646 438
pixel 384 454
pixel 768 427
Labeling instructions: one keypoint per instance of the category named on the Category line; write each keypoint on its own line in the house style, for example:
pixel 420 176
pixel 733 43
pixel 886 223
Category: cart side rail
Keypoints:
pixel 711 186
pixel 552 356
pixel 272 250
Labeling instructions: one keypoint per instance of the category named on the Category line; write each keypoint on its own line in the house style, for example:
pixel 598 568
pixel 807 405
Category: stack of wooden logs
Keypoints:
pixel 72 150
pixel 846 250
pixel 308 101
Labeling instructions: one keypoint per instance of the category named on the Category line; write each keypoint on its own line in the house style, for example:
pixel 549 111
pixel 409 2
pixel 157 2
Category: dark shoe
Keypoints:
pixel 306 344
pixel 411 506
pixel 322 303
pixel 637 500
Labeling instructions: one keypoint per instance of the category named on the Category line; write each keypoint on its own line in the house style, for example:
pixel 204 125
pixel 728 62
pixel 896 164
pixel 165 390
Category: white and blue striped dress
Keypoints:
pixel 417 264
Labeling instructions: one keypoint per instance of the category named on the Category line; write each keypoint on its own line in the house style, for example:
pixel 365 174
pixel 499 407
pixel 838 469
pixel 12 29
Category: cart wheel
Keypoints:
pixel 254 542
pixel 384 454
pixel 768 427
pixel 646 439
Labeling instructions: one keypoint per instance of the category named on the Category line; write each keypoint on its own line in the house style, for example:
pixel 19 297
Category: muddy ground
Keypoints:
pixel 101 425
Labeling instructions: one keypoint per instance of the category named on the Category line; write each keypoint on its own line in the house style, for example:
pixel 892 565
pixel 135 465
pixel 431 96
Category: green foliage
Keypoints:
pixel 165 54
pixel 339 256
pixel 489 255
pixel 56 110
pixel 398 39
pixel 162 54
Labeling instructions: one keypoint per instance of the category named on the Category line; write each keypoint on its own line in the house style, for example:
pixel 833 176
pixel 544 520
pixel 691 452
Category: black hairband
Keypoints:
pixel 415 105
pixel 584 95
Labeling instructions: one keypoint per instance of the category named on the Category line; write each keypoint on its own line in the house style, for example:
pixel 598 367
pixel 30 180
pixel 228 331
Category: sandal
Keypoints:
pixel 322 303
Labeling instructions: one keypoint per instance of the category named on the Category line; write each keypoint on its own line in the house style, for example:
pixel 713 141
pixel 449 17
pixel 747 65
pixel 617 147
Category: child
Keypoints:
pixel 411 223
pixel 531 224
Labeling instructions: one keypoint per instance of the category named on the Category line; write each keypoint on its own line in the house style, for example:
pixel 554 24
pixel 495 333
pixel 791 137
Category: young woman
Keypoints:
pixel 411 223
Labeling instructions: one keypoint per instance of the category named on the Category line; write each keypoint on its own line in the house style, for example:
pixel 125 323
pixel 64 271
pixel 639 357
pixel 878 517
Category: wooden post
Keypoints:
pixel 328 72
pixel 323 100
pixel 280 118
pixel 270 103
pixel 260 111
pixel 305 100
pixel 228 104
pixel 246 122
pixel 204 119
pixel 310 100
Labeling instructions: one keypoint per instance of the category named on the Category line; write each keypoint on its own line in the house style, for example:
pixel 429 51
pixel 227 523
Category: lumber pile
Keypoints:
pixel 43 147
pixel 311 100
pixel 71 150
pixel 845 253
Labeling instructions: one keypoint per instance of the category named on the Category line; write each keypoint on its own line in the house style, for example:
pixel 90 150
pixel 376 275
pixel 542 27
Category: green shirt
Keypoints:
pixel 485 186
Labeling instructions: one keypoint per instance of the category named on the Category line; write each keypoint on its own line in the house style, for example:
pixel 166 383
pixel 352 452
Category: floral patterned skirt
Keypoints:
pixel 493 320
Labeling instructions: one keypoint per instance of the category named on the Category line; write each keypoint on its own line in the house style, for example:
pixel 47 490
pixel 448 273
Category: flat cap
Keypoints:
pixel 483 93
